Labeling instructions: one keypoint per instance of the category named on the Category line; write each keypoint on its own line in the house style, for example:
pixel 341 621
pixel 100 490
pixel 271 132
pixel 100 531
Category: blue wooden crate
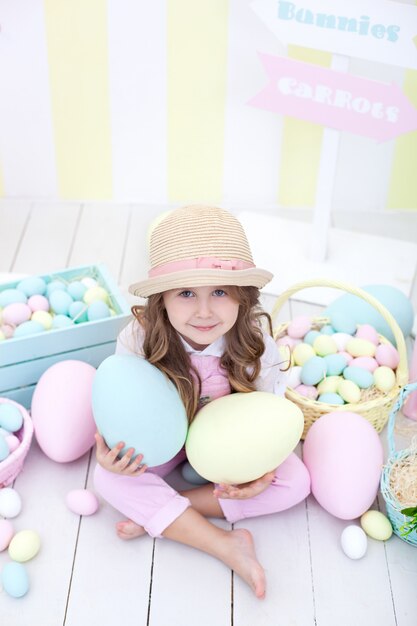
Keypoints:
pixel 24 359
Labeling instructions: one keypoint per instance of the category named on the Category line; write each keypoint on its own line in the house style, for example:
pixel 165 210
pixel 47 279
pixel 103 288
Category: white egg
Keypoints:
pixel 10 502
pixel 354 542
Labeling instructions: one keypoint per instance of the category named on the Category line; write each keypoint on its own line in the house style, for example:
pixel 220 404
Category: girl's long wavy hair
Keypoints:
pixel 163 348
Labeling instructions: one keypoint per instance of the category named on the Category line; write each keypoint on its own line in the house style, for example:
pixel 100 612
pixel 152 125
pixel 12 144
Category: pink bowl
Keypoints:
pixel 12 465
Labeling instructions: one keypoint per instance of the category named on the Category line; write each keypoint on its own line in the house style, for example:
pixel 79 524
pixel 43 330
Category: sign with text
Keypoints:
pixel 341 101
pixel 379 30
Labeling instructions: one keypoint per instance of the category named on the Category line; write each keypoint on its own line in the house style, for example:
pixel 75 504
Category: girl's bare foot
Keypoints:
pixel 241 558
pixel 129 530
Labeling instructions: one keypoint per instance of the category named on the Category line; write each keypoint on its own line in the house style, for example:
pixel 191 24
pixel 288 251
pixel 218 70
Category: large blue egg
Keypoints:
pixel 134 402
pixel 362 312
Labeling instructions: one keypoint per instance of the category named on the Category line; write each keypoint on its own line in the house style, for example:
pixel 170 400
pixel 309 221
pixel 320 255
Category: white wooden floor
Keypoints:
pixel 85 575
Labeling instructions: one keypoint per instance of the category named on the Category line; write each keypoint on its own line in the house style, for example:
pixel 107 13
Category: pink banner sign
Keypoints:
pixel 334 99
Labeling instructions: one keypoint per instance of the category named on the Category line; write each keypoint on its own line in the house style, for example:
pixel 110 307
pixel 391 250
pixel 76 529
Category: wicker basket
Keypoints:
pixel 397 518
pixel 12 465
pixel 374 405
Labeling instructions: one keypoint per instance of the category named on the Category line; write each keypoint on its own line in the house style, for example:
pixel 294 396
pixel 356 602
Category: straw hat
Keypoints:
pixel 198 246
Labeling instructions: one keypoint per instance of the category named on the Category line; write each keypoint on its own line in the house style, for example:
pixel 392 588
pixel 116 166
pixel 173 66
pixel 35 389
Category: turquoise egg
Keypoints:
pixel 335 364
pixel 4 448
pixel 191 476
pixel 311 336
pixel 343 323
pixel 313 371
pixel 362 377
pixel 327 330
pixel 60 301
pixel 55 285
pixel 76 290
pixel 28 328
pixel 10 417
pixel 10 296
pixel 98 310
pixel 331 398
pixel 15 579
pixel 61 321
pixel 78 312
pixel 33 285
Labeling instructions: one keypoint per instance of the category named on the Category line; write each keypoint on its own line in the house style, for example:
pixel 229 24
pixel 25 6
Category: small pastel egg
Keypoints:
pixel 55 285
pixel 329 384
pixel 38 303
pixel 15 579
pixel 366 362
pixel 384 378
pixel 78 312
pixel 10 502
pixel 330 398
pixel 98 310
pixel 60 302
pixel 349 391
pixel 343 323
pixel 299 326
pixel 89 282
pixel 368 332
pixel 308 391
pixel 11 296
pixel 11 417
pixel 311 336
pixel 294 376
pixel 341 340
pixel 96 293
pixel 313 371
pixel 24 546
pixel 191 476
pixel 62 321
pixel 386 354
pixel 360 376
pixel 302 353
pixel 28 328
pixel 16 313
pixel 327 329
pixel 335 363
pixel 354 542
pixel 360 347
pixel 13 442
pixel 44 318
pixel 287 341
pixel 82 502
pixel 7 330
pixel 324 345
pixel 4 448
pixel 33 285
pixel 376 525
pixel 76 289
pixel 6 533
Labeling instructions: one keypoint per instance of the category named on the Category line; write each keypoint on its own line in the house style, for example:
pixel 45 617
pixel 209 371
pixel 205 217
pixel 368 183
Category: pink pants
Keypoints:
pixel 149 501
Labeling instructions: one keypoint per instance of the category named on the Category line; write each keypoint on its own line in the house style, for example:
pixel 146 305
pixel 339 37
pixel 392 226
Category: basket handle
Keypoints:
pixel 402 369
pixel 404 393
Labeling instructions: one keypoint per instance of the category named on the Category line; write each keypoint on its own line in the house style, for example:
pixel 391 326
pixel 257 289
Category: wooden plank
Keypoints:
pixel 13 218
pixel 43 485
pixel 47 239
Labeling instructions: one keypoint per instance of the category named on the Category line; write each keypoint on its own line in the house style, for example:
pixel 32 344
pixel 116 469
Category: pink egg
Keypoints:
pixel 16 313
pixel 62 410
pixel 368 332
pixel 387 355
pixel 348 357
pixel 287 341
pixel 366 362
pixel 6 533
pixel 38 303
pixel 13 442
pixel 299 326
pixel 7 330
pixel 82 502
pixel 308 391
pixel 344 456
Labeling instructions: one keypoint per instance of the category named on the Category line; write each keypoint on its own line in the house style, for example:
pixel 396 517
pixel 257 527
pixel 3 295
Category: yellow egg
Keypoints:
pixel 329 384
pixel 360 347
pixel 384 378
pixel 24 546
pixel 324 344
pixel 349 391
pixel 96 293
pixel 43 317
pixel 302 352
pixel 376 525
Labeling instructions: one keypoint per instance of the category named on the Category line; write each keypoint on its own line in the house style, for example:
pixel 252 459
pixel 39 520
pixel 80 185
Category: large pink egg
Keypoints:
pixel 16 313
pixel 62 410
pixel 344 456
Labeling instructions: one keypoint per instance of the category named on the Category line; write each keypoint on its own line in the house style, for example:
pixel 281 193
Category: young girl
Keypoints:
pixel 201 326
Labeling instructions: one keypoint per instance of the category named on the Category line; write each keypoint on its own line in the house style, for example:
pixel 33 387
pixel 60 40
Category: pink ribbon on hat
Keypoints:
pixel 204 262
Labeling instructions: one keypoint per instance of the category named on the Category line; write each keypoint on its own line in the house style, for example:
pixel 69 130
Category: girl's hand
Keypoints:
pixel 108 459
pixel 247 490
